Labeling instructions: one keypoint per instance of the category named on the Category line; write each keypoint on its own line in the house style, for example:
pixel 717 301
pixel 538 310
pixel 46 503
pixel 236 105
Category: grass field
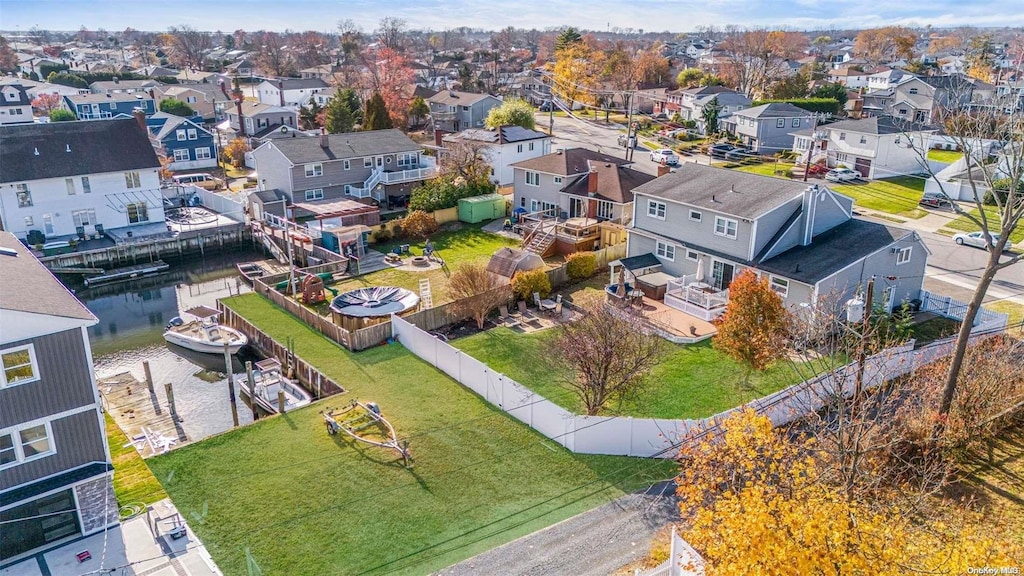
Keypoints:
pixel 766 168
pixel 133 481
pixel 947 156
pixel 286 497
pixel 897 196
pixel 693 381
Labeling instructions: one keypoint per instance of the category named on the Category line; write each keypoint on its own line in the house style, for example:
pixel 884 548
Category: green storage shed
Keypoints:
pixel 482 208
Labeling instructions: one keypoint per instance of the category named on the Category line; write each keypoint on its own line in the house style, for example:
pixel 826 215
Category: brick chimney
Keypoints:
pixel 438 137
pixel 592 182
pixel 663 169
pixel 280 90
pixel 140 119
pixel 324 142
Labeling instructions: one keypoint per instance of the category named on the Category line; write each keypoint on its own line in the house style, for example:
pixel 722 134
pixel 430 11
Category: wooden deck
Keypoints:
pixel 135 408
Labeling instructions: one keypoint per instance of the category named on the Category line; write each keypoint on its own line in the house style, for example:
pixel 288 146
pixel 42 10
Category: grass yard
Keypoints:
pixel 286 497
pixel 133 481
pixel 897 196
pixel 947 156
pixel 1014 310
pixel 766 168
pixel 693 381
pixel 964 224
pixel 934 329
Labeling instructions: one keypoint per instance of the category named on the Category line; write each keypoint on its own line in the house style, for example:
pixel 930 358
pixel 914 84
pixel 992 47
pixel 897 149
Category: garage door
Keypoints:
pixel 863 165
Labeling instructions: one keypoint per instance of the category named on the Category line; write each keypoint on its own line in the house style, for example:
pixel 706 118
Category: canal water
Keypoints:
pixel 132 318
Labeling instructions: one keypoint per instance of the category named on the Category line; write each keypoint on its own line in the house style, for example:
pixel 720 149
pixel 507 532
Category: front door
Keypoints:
pixel 722 274
pixel 380 161
pixel 47 224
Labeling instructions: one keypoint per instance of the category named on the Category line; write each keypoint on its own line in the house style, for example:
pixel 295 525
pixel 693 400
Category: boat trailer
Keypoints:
pixel 357 417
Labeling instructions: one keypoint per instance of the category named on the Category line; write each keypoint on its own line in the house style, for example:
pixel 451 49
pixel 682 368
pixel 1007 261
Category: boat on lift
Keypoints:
pixel 269 380
pixel 203 333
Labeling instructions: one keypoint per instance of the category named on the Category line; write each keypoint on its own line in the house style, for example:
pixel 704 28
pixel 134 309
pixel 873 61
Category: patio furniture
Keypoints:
pixel 507 320
pixel 557 313
pixel 636 297
pixel 528 317
pixel 545 305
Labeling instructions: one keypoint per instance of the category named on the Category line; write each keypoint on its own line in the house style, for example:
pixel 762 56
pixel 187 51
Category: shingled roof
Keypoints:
pixel 62 149
pixel 27 286
pixel 615 183
pixel 568 162
pixel 348 145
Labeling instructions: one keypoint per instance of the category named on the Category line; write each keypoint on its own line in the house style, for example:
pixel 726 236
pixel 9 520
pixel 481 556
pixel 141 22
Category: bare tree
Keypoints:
pixel 274 57
pixel 188 46
pixel 754 57
pixel 465 159
pixel 610 354
pixel 391 32
pixel 476 292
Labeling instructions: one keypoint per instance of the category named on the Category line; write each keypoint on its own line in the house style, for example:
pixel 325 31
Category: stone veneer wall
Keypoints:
pixel 97 504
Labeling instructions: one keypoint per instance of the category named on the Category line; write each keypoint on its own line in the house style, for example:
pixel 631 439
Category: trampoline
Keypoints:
pixel 374 302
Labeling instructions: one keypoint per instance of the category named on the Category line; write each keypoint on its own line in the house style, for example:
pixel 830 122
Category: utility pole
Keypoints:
pixel 629 125
pixel 810 147
pixel 863 351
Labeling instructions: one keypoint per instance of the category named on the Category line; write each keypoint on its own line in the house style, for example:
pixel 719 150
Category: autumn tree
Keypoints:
pixel 576 72
pixel 689 77
pixel 880 45
pixel 46 103
pixel 418 224
pixel 392 33
pixel 388 74
pixel 235 151
pixel 754 57
pixel 609 353
pixel 464 159
pixel 350 35
pixel 795 86
pixel 477 292
pixel 376 116
pixel 309 116
pixel 311 49
pixel 418 110
pixel 274 57
pixel 752 330
pixel 187 47
pixel 511 112
pixel 8 59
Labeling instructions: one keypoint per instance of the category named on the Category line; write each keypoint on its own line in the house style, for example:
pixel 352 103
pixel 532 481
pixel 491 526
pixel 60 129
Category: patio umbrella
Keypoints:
pixel 700 269
pixel 621 290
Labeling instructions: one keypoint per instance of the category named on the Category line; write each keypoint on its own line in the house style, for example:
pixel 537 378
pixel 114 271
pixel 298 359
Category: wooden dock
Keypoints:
pixel 137 410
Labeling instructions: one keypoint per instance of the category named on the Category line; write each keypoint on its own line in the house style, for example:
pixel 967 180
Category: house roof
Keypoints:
pixel 641 261
pixel 774 110
pixel 348 145
pixel 615 183
pixel 100 98
pixel 299 83
pixel 172 123
pixel 504 135
pixel 568 162
pixel 706 90
pixel 250 109
pixel 454 97
pixel 878 125
pixel 27 286
pixel 23 99
pixel 722 190
pixel 36 151
pixel 833 250
pixel 212 91
pixel 108 85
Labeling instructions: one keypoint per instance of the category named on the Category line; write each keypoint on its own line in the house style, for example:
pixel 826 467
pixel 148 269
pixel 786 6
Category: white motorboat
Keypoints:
pixel 204 334
pixel 270 381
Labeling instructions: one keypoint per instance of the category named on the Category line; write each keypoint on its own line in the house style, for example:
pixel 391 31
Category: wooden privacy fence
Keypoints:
pixel 309 377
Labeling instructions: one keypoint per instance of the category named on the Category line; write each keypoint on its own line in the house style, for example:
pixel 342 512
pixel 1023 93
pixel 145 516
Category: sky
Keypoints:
pixel 652 15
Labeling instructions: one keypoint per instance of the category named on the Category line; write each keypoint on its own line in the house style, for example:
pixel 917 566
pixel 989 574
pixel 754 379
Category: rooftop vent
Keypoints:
pixel 36 151
pixel 67 148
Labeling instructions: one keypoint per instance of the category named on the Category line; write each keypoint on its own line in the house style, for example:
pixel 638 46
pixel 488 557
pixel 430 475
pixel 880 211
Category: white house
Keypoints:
pixel 849 77
pixel 877 146
pixel 78 179
pixel 15 105
pixel 504 147
pixel 289 91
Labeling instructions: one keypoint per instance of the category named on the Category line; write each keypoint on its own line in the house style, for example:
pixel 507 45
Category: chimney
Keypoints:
pixel 224 89
pixel 438 136
pixel 280 90
pixel 663 169
pixel 241 119
pixel 592 182
pixel 140 119
pixel 808 205
pixel 152 94
pixel 324 142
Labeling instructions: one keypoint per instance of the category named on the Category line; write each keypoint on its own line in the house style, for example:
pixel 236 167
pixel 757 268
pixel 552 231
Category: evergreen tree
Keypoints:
pixel 355 106
pixel 337 117
pixel 710 116
pixel 377 117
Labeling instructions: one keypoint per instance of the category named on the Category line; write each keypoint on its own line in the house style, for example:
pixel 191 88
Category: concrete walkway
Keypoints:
pixel 597 542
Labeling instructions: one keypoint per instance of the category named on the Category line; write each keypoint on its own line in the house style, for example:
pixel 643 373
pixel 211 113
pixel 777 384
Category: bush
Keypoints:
pixel 526 282
pixel 581 265
pixel 1002 188
pixel 382 235
pixel 445 192
pixel 419 224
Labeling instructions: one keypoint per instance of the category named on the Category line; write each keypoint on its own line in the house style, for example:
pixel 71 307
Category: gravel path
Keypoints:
pixel 597 542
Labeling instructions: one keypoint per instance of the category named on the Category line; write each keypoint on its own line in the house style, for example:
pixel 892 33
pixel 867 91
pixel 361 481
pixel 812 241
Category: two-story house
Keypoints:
pixel 15 104
pixel 703 225
pixel 451 111
pixel 289 91
pixel 208 100
pixel 381 165
pixel 78 179
pixel 55 469
pixel 101 106
pixel 117 86
pixel 921 99
pixel 768 128
pixel 886 78
pixel 693 100
pixel 877 146
pixel 184 141
pixel 503 147
pixel 258 119
pixel 540 185
pixel 852 78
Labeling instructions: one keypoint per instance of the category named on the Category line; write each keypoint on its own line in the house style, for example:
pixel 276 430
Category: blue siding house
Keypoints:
pixel 183 140
pixel 100 106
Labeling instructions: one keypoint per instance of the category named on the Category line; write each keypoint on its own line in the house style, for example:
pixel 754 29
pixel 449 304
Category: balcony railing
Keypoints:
pixel 410 175
pixel 696 298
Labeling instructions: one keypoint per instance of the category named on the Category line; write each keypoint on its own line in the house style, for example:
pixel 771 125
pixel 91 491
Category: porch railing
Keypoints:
pixel 696 298
pixel 409 175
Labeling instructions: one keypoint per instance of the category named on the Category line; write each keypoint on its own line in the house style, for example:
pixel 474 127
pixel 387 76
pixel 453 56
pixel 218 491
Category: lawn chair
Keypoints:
pixel 528 316
pixel 545 305
pixel 507 320
pixel 557 312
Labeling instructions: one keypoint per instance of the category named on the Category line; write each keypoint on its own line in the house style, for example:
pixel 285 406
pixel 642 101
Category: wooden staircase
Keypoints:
pixel 540 240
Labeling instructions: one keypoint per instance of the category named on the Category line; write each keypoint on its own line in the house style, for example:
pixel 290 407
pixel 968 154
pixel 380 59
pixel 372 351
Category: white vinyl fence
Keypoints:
pixel 654 437
pixel 682 560
pixel 957 309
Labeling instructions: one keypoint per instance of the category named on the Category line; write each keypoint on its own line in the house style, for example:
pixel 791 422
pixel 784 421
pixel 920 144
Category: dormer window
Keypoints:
pixel 913 90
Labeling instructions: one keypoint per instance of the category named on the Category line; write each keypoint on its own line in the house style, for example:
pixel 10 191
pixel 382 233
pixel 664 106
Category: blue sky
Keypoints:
pixel 675 15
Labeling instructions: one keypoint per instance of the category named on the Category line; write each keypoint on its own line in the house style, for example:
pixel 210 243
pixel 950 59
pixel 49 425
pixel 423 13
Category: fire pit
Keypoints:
pixel 420 261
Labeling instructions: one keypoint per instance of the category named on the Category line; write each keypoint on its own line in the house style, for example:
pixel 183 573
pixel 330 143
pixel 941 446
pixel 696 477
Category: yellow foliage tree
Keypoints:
pixel 576 72
pixel 756 504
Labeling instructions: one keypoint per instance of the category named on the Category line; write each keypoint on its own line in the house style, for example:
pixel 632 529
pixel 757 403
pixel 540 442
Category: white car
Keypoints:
pixel 842 175
pixel 665 155
pixel 977 239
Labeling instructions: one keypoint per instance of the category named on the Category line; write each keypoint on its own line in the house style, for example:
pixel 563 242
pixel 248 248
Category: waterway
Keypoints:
pixel 132 318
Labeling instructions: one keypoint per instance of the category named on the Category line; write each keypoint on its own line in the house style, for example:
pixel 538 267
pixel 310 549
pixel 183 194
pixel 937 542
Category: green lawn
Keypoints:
pixel 766 168
pixel 964 224
pixel 297 501
pixel 690 382
pixel 1015 323
pixel 934 329
pixel 947 156
pixel 133 481
pixel 897 196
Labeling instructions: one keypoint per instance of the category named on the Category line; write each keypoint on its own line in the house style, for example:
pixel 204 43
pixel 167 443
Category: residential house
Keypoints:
pixel 244 67
pixel 886 78
pixel 78 179
pixel 504 147
pixel 921 99
pixel 852 78
pixel 323 72
pixel 208 100
pixel 258 119
pixel 704 225
pixel 183 141
pixel 100 106
pixel 323 97
pixel 539 184
pixel 288 92
pixel 117 86
pixel 452 111
pixel 604 192
pixel 154 71
pixel 768 128
pixel 56 477
pixel 692 101
pixel 876 146
pixel 15 104
pixel 381 165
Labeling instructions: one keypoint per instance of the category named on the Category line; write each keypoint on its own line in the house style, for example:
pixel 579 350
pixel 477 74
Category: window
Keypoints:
pixel 180 134
pixel 203 153
pixel 696 215
pixel 315 194
pixel 666 251
pixel 28 443
pixel 842 135
pixel 137 212
pixel 780 123
pixel 314 170
pixel 725 227
pixel 7 452
pixel 795 123
pixel 193 134
pixel 190 99
pixel 532 178
pixel 780 285
pixel 181 155
pixel 530 147
pixel 347 165
pixel 558 179
pixel 692 255
pixel 842 157
pixel 83 218
pixel 605 210
pixel 656 209
pixel 903 255
pixel 903 111
pixel 863 139
pixel 367 162
pixel 912 90
pixel 70 184
pixel 519 148
pixel 35 441
pixel 86 187
pixel 19 365
pixel 522 202
pixel 132 180
pixel 24 195
pixel 28 221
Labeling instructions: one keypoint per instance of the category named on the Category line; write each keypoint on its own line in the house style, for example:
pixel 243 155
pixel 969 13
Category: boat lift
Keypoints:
pixel 357 417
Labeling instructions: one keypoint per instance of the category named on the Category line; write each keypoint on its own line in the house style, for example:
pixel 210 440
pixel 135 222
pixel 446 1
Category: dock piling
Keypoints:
pixel 280 401
pixel 170 400
pixel 149 375
pixel 231 383
pixel 252 386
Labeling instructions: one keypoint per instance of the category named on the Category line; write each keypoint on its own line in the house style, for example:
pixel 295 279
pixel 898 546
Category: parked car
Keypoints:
pixel 934 200
pixel 720 150
pixel 202 180
pixel 739 154
pixel 842 175
pixel 623 140
pixel 666 156
pixel 545 106
pixel 977 240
